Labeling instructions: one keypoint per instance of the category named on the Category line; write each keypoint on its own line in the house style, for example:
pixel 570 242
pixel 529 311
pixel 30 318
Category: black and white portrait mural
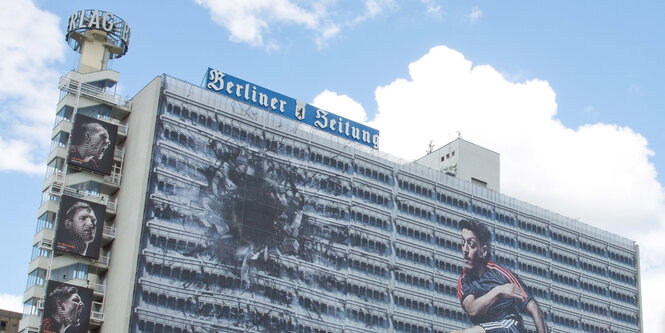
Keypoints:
pixel 80 226
pixel 66 308
pixel 93 144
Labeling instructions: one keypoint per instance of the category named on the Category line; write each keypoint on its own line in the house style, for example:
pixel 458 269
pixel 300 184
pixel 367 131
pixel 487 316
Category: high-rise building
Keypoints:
pixel 232 208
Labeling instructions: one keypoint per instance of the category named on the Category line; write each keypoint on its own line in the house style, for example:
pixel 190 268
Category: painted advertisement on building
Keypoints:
pixel 66 308
pixel 93 144
pixel 79 227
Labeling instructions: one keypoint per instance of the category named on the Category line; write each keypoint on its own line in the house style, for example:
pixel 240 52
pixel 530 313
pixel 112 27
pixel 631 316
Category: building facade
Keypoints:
pixel 214 214
pixel 9 321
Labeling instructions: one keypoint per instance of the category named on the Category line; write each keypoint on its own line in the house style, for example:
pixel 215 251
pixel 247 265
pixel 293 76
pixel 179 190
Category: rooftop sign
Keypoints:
pixel 288 107
pixel 116 29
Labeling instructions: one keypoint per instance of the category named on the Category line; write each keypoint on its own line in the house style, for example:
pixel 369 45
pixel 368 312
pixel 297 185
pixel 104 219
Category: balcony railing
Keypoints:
pixel 97 312
pixel 57 184
pixel 40 304
pixel 98 288
pixel 76 87
pixel 99 198
pixel 109 231
pixel 104 260
pixel 114 177
pixel 46 244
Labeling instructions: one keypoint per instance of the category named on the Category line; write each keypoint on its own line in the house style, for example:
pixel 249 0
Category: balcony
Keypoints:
pixel 72 86
pixel 112 181
pixel 64 125
pixel 57 151
pixel 102 262
pixel 47 233
pixel 30 323
pixel 46 244
pixel 56 183
pixel 111 204
pixel 119 154
pixel 109 184
pixel 99 290
pixel 35 291
pixel 108 234
pixel 97 314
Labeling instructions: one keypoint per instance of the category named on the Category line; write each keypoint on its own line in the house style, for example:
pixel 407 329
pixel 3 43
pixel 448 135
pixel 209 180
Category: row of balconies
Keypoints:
pixel 73 86
pixel 76 93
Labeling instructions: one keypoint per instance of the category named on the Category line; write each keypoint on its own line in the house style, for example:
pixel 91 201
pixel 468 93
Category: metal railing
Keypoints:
pixel 109 231
pixel 46 244
pixel 76 87
pixel 104 260
pixel 58 183
pixel 97 312
pixel 114 177
pixel 98 288
pixel 99 198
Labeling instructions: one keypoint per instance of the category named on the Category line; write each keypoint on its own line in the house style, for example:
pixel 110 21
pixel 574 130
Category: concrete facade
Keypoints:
pixel 466 161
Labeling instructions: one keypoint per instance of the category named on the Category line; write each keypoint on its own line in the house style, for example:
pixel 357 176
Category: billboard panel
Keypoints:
pixel 92 144
pixel 66 308
pixel 79 227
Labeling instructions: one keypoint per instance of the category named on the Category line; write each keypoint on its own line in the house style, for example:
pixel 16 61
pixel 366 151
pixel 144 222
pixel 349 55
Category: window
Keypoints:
pixel 64 114
pixel 75 271
pixel 45 221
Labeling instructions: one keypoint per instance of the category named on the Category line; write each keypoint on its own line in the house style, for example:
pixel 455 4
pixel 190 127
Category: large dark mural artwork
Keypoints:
pixel 259 233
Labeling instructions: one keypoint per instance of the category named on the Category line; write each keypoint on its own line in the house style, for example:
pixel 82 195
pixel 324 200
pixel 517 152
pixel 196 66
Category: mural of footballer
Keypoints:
pixel 491 295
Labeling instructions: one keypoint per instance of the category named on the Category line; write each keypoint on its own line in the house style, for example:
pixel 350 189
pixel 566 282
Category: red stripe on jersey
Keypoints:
pixel 459 288
pixel 460 294
pixel 508 275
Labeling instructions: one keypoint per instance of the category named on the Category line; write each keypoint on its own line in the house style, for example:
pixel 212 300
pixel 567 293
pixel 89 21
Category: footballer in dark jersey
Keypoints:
pixel 491 295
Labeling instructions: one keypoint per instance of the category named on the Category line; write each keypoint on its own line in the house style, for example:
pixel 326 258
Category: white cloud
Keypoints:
pixel 252 21
pixel 433 8
pixel 475 14
pixel 31 42
pixel 598 173
pixel 16 157
pixel 543 162
pixel 653 307
pixel 342 105
pixel 11 302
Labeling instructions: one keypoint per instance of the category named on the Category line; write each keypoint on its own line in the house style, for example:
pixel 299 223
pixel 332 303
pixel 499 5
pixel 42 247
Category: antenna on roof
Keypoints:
pixel 430 147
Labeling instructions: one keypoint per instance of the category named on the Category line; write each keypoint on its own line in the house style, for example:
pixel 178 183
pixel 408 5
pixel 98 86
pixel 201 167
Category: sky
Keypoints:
pixel 570 93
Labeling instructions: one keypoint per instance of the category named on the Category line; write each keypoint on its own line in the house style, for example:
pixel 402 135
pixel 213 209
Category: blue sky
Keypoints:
pixel 571 94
